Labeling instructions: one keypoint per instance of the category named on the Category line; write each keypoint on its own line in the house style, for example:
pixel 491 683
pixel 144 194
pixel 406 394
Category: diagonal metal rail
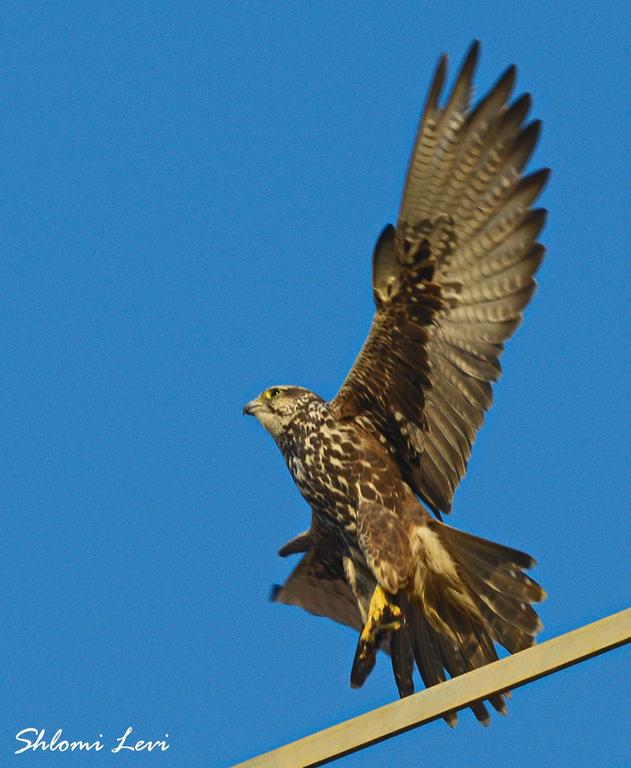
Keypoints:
pixel 391 719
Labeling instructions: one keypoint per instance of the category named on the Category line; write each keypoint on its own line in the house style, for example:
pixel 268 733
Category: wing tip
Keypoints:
pixel 521 106
pixel 300 543
pixel 470 61
pixel 505 83
pixel 538 217
pixel 539 178
pixel 464 78
pixel 438 81
pixel 473 53
pixel 531 132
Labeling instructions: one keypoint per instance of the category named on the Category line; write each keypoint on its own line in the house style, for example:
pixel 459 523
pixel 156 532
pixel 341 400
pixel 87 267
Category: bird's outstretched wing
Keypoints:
pixel 318 585
pixel 450 282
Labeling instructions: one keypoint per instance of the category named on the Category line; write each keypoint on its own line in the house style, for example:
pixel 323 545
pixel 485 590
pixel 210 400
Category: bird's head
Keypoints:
pixel 276 407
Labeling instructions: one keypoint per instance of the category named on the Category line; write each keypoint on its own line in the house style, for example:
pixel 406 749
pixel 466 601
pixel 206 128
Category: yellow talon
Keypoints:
pixel 383 614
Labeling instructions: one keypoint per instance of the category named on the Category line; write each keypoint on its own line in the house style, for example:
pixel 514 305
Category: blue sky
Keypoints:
pixel 189 202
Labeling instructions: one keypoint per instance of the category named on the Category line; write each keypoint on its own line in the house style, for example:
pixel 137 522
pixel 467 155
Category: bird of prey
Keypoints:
pixel 380 462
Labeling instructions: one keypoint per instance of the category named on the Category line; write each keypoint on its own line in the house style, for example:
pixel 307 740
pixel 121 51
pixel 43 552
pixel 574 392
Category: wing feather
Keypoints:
pixel 450 281
pixel 318 585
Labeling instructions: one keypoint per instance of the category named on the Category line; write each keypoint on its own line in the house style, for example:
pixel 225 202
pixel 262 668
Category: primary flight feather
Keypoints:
pixel 450 282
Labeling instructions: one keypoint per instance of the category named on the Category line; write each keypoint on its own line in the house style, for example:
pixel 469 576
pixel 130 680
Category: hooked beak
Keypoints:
pixel 249 409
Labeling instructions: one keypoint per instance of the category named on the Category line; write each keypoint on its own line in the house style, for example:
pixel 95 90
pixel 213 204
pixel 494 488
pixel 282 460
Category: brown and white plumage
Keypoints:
pixel 450 283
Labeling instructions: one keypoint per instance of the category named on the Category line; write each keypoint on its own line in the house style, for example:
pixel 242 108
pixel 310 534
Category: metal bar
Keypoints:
pixel 508 673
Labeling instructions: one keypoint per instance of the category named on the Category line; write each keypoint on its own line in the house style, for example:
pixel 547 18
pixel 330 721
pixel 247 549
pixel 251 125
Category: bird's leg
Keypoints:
pixel 383 616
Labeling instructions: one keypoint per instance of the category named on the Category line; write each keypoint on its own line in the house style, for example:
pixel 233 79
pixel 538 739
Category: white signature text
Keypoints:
pixel 34 739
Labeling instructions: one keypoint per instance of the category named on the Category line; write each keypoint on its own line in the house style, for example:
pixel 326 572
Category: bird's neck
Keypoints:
pixel 305 424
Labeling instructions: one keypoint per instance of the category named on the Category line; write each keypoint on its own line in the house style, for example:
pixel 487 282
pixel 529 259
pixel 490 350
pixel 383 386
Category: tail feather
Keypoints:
pixel 402 659
pixel 427 654
pixel 507 579
pixel 485 654
pixel 498 573
pixel 437 655
pixel 469 593
pixel 478 652
pixel 502 632
pixel 427 650
pixel 485 550
pixel 457 663
pixel 515 611
pixel 502 592
pixel 468 648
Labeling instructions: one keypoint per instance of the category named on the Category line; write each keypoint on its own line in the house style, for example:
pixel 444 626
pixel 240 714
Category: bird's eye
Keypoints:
pixel 273 392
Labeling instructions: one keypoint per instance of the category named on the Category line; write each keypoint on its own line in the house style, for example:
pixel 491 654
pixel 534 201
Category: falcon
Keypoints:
pixel 380 462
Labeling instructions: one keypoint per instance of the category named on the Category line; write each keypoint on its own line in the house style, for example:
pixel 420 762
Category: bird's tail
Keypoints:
pixel 468 593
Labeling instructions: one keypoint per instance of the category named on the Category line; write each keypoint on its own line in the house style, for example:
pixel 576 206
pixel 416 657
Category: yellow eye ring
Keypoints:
pixel 272 393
